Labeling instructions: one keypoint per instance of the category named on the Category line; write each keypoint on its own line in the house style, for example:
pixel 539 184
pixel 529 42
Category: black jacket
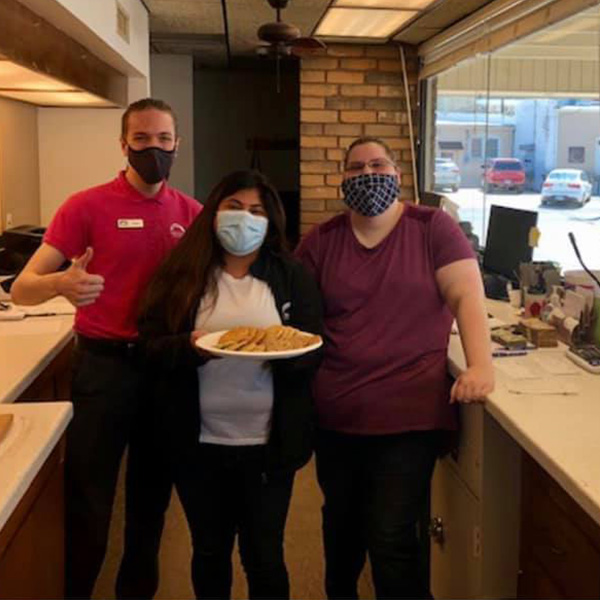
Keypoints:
pixel 173 367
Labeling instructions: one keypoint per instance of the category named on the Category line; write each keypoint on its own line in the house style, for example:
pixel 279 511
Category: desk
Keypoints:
pixel 479 489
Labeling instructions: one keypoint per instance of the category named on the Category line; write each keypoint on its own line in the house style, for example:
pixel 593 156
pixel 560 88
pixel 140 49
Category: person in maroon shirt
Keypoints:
pixel 393 277
pixel 115 235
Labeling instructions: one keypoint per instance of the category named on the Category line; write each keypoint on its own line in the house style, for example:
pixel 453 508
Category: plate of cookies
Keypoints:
pixel 256 343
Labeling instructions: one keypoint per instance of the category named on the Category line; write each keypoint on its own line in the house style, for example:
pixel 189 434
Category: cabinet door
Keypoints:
pixel 560 544
pixel 456 560
pixel 467 458
pixel 32 540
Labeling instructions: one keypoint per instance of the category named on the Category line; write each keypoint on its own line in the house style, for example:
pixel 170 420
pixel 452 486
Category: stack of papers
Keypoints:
pixel 9 312
pixel 539 373
pixel 56 306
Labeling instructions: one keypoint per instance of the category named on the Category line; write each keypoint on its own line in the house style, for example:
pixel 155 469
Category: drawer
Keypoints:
pixel 556 535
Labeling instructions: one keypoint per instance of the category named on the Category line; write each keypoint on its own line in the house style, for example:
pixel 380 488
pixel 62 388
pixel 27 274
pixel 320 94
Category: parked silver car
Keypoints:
pixel 564 186
pixel 446 175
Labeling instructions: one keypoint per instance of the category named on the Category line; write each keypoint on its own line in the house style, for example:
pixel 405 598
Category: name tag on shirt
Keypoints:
pixel 130 223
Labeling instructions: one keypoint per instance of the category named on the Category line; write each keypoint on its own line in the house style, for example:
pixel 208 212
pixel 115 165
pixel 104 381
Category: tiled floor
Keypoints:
pixel 303 548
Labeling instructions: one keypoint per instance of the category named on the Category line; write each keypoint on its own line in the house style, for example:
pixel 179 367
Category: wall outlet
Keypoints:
pixel 9 220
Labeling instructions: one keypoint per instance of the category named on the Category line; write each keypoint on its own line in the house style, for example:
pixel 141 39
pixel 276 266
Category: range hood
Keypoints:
pixel 42 65
pixel 26 85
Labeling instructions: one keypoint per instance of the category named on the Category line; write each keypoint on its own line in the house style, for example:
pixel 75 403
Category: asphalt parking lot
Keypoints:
pixel 554 223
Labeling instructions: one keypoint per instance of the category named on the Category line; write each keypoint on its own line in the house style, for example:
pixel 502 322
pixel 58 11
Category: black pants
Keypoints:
pixel 375 488
pixel 112 410
pixel 228 494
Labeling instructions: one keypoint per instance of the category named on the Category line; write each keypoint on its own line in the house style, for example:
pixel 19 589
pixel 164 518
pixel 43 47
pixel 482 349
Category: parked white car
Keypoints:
pixel 446 175
pixel 564 186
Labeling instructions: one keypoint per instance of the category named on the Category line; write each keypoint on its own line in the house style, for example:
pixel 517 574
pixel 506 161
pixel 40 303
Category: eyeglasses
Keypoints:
pixel 376 164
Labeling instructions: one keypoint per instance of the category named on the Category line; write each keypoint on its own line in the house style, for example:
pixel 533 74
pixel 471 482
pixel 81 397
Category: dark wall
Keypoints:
pixel 236 106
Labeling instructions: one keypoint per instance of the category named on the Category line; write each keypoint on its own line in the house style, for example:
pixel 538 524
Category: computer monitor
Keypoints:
pixel 507 244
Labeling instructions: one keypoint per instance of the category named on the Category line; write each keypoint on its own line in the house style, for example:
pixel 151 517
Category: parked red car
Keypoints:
pixel 505 174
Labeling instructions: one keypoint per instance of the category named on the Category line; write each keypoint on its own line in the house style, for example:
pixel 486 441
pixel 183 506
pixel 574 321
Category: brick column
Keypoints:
pixel 345 92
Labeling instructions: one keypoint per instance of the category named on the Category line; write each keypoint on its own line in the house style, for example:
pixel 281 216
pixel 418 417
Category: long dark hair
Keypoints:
pixel 189 271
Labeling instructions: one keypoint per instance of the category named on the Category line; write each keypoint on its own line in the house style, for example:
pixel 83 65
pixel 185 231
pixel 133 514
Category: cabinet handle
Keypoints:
pixel 436 530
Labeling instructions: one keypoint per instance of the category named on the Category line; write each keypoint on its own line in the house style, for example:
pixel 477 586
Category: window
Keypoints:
pixel 531 121
pixel 492 148
pixel 576 155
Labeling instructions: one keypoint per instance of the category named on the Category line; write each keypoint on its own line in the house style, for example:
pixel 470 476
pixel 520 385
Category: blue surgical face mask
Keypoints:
pixel 240 232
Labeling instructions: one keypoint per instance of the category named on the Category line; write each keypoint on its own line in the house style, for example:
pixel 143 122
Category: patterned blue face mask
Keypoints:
pixel 370 194
pixel 240 232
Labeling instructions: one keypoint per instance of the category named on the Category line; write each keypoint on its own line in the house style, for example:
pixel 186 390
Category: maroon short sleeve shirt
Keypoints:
pixel 386 323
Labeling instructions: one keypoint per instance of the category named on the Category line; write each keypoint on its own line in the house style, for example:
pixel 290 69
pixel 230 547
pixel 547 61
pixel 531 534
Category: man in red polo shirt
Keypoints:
pixel 116 235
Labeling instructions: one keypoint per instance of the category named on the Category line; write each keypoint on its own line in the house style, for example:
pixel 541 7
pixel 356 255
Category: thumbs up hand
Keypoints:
pixel 83 261
pixel 78 286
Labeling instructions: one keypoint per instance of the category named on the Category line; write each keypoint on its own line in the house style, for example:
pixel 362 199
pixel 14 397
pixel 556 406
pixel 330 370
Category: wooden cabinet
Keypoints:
pixel 32 540
pixel 456 548
pixel 475 496
pixel 54 383
pixel 560 543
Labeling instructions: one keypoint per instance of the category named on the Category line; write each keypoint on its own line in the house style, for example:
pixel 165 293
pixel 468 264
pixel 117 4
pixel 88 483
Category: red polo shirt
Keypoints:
pixel 130 234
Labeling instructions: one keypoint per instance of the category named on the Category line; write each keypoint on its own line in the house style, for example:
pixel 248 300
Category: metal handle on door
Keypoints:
pixel 436 530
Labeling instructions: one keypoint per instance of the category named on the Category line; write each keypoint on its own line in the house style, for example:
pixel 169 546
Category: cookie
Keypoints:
pixel 276 338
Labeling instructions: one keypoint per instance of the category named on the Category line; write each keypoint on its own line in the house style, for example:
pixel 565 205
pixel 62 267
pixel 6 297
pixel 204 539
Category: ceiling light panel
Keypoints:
pixel 394 4
pixel 363 23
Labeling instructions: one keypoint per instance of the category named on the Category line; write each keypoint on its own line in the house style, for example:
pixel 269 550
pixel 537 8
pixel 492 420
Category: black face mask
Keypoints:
pixel 152 164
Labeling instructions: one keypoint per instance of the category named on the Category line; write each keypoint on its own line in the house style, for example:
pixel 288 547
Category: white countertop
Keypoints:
pixel 35 431
pixel 561 432
pixel 27 347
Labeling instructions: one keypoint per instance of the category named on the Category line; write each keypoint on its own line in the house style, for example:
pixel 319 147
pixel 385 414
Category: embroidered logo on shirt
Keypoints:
pixel 285 311
pixel 177 230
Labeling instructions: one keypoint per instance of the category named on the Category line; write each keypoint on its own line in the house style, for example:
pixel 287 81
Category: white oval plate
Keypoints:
pixel 209 341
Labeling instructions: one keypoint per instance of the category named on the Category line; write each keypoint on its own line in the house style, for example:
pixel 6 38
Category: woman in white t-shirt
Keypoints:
pixel 236 430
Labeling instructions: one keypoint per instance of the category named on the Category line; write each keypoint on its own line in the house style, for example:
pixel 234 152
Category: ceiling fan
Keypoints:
pixel 283 39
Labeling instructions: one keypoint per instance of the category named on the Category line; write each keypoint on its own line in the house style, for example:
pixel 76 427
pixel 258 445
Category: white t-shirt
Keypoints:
pixel 236 394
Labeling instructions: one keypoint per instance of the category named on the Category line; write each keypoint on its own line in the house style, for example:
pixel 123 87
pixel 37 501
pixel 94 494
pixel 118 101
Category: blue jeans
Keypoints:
pixel 376 489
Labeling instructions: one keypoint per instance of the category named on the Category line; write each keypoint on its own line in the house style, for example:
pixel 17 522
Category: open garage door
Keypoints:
pixel 492 27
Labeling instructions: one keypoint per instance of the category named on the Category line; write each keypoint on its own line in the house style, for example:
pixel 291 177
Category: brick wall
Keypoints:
pixel 346 92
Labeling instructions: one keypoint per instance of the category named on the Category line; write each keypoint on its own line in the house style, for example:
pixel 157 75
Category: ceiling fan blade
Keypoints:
pixel 307 43
pixel 304 47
